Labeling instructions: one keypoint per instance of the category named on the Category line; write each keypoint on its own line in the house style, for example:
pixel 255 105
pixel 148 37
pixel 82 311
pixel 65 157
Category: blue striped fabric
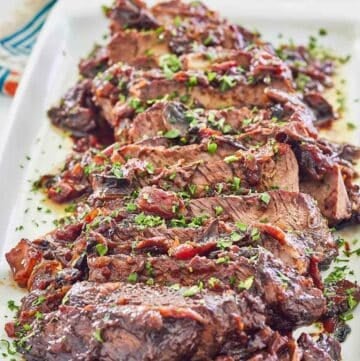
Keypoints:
pixel 14 42
pixel 19 44
pixel 4 73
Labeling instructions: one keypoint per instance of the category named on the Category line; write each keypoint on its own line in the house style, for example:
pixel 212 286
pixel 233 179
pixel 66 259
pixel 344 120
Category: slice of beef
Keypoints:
pixel 130 14
pixel 326 348
pixel 291 300
pixel 96 62
pixel 116 238
pixel 269 167
pixel 140 49
pixel 26 255
pixel 168 10
pixel 310 72
pixel 211 29
pixel 327 180
pixel 74 180
pixel 287 210
pixel 22 260
pixel 78 114
pixel 147 50
pixel 152 324
pixel 331 195
pixel 161 157
pixel 206 20
pixel 158 119
pixel 293 105
pixel 228 87
pixel 240 92
pixel 323 110
pixel 163 116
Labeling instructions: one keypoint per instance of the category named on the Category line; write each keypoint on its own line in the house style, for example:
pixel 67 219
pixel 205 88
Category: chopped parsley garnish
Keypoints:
pixel 208 41
pixel 149 268
pixel 197 221
pixel 338 274
pixel 302 81
pixel 131 207
pixel 219 187
pixel 211 76
pixel 177 20
pixel 352 302
pixel 231 159
pixel 150 281
pixel 71 208
pixel 101 249
pixel 12 306
pixel 350 126
pixel 235 236
pixel 285 280
pixel 172 134
pixel 223 260
pixel 236 184
pixel 192 81
pixel 192 188
pixel 97 335
pixel 39 301
pixel 133 277
pixel 8 347
pixel 246 284
pixel 242 226
pixel 92 167
pixel 191 291
pixel 218 210
pixel 265 198
pixel 213 281
pixel 27 327
pixel 136 105
pixel 150 168
pixel 172 176
pixel 175 286
pixel 255 234
pixel 227 82
pixel 212 147
pixel 170 64
pixel 145 221
pixel 224 243
pixel 345 59
pixel 117 171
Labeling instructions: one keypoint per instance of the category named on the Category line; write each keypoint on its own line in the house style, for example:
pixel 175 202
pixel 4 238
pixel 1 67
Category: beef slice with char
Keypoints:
pixel 152 324
pixel 290 298
pixel 331 195
pixel 260 169
pixel 287 210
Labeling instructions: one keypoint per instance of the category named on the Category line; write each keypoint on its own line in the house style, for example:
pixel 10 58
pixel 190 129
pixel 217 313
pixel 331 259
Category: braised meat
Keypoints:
pixel 202 196
pixel 130 322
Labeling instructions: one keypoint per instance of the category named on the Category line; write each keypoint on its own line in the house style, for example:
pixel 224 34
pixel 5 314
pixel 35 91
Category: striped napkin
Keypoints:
pixel 20 24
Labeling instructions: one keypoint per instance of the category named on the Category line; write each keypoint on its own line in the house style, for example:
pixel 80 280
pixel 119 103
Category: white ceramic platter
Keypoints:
pixel 33 147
